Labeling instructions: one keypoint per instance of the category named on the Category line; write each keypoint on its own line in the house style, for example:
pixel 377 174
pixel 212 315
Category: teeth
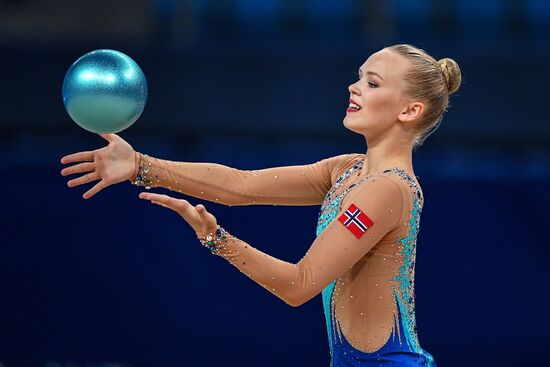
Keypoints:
pixel 354 106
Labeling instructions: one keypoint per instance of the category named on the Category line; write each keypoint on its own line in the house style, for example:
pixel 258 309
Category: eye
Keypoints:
pixel 372 85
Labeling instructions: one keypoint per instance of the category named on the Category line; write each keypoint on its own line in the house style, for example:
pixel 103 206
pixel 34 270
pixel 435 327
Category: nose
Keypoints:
pixel 354 89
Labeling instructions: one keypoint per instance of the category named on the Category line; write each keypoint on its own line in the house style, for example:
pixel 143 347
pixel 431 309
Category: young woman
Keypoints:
pixel 363 258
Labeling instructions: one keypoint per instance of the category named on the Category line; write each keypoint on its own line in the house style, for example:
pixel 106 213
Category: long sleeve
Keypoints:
pixel 290 185
pixel 334 251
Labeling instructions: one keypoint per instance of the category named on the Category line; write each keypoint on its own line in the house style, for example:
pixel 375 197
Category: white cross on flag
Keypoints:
pixel 355 220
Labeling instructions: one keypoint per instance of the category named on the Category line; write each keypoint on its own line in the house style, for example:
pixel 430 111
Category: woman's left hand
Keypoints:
pixel 198 218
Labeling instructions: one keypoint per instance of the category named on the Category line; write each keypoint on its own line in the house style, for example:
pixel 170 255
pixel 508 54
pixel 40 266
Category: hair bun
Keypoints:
pixel 452 74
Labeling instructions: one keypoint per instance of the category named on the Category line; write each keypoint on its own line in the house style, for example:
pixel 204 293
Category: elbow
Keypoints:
pixel 295 304
pixel 301 290
pixel 298 299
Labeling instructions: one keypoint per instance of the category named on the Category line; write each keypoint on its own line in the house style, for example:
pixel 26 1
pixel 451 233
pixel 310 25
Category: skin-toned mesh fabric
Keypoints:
pixel 367 283
pixel 290 185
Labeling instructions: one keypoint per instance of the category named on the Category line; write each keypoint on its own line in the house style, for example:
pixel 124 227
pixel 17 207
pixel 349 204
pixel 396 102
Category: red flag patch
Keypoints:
pixel 355 220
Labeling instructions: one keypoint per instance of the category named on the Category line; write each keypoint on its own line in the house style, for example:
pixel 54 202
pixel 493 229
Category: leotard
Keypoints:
pixel 365 272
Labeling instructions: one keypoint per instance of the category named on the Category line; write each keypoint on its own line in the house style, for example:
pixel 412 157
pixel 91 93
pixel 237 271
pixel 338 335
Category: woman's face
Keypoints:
pixel 376 99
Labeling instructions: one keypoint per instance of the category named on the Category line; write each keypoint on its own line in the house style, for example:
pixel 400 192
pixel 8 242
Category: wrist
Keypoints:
pixel 214 240
pixel 211 230
pixel 141 177
pixel 137 161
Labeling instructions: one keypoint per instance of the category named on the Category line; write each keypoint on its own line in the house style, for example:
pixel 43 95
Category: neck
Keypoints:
pixel 386 153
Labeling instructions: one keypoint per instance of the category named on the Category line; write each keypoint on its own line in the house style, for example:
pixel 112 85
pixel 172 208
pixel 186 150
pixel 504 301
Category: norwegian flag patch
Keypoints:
pixel 355 220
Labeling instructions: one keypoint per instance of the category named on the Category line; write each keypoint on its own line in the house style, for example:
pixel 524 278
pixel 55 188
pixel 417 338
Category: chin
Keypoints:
pixel 348 121
pixel 350 125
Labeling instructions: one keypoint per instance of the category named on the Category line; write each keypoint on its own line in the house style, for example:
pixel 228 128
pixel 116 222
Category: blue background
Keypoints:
pixel 252 85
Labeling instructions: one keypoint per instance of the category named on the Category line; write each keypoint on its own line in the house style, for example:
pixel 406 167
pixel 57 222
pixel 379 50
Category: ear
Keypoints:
pixel 411 112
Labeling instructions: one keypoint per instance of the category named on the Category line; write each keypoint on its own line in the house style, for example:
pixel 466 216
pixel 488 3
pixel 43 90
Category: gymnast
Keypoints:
pixel 363 258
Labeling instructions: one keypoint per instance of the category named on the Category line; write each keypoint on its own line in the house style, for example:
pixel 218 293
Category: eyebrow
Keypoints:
pixel 370 72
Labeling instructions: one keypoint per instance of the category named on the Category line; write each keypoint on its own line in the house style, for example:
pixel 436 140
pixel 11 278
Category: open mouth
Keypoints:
pixel 353 107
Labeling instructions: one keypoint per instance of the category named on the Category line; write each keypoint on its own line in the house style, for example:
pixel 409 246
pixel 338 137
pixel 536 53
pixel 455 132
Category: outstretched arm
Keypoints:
pixel 118 162
pixel 290 185
pixel 332 253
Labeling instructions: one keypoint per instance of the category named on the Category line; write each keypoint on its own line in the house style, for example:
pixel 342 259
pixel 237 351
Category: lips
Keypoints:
pixel 353 106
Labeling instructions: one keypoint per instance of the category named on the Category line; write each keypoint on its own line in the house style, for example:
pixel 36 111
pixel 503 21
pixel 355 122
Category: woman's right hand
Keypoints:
pixel 111 164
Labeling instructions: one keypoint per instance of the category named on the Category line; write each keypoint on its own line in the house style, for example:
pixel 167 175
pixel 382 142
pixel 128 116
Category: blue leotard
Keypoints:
pixel 364 268
pixel 402 347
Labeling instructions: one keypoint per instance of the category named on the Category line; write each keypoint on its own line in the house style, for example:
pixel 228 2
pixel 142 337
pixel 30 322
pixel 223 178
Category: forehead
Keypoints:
pixel 390 65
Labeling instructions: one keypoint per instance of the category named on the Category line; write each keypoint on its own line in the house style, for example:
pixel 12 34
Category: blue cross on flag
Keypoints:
pixel 355 220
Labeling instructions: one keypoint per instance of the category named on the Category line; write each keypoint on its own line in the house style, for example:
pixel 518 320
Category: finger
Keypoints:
pixel 78 168
pixel 94 190
pixel 201 210
pixel 203 214
pixel 78 157
pixel 161 204
pixel 108 137
pixel 92 176
pixel 186 210
pixel 164 200
pixel 208 220
pixel 148 195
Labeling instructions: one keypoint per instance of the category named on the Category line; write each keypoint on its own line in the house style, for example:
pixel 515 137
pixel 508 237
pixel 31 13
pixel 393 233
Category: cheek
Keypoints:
pixel 381 109
pixel 381 101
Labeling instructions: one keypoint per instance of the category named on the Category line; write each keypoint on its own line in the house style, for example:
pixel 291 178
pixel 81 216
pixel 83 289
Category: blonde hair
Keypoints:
pixel 429 81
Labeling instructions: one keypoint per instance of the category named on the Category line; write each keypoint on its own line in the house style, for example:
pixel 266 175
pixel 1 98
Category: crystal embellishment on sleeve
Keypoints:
pixel 400 280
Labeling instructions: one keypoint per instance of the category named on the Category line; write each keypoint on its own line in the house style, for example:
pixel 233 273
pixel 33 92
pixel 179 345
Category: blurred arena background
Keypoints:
pixel 114 281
